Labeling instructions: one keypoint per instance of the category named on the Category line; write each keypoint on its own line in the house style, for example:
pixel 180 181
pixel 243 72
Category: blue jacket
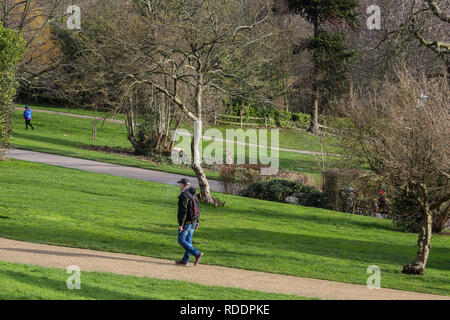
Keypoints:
pixel 27 114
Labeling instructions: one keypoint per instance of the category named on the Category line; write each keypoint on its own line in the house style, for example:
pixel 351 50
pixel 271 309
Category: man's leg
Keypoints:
pixel 26 124
pixel 189 242
pixel 185 240
pixel 182 238
pixel 32 128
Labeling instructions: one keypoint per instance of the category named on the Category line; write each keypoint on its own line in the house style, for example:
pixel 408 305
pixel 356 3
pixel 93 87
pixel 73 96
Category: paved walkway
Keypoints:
pixel 107 168
pixel 89 260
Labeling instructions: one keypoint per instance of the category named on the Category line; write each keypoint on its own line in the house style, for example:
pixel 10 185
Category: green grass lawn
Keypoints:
pixel 23 282
pixel 70 136
pixel 60 206
pixel 295 140
pixel 289 139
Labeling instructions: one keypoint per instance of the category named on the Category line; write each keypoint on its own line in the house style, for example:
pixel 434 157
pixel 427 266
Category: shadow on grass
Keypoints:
pixel 87 291
pixel 308 216
pixel 46 139
pixel 357 251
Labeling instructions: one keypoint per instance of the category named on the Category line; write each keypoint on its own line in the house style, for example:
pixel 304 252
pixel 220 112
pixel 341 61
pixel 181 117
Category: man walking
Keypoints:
pixel 188 221
pixel 28 117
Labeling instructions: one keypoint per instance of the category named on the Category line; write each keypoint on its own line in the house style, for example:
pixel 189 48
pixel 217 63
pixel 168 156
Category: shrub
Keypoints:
pixel 235 178
pixel 283 119
pixel 351 191
pixel 312 199
pixel 301 120
pixel 276 190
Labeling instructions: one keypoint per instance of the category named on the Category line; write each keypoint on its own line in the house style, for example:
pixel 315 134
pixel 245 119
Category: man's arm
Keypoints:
pixel 182 212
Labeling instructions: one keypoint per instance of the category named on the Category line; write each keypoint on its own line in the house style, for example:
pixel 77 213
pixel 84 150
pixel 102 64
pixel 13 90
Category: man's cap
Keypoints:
pixel 184 181
pixel 26 107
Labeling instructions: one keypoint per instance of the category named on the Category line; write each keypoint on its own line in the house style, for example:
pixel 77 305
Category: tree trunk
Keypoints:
pixel 205 192
pixel 314 125
pixel 351 95
pixel 286 94
pixel 424 243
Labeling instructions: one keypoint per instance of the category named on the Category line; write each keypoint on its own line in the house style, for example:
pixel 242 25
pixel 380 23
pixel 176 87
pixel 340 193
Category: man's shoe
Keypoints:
pixel 182 263
pixel 198 258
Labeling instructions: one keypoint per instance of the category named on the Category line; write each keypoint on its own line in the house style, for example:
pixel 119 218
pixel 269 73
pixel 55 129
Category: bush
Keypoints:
pixel 301 120
pixel 276 190
pixel 312 199
pixel 283 119
pixel 407 217
pixel 234 178
pixel 351 191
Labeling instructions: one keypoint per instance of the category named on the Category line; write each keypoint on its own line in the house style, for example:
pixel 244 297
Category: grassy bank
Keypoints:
pixel 53 205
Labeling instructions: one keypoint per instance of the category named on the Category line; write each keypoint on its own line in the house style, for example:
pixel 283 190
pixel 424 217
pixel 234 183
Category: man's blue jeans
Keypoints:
pixel 185 240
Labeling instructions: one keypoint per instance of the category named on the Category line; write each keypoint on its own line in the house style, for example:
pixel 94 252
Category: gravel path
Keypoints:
pixel 89 260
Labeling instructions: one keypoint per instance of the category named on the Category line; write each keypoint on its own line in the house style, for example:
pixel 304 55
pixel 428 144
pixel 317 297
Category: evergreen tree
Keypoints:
pixel 329 51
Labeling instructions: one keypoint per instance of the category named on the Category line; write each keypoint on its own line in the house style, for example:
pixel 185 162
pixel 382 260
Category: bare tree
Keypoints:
pixel 190 51
pixel 402 132
pixel 425 22
pixel 34 19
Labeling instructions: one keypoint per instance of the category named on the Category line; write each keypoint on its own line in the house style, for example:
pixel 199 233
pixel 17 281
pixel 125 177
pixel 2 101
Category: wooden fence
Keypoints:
pixel 267 122
pixel 243 121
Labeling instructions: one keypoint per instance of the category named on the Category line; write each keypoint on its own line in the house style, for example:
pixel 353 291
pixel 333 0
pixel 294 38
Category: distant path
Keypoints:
pixel 89 260
pixel 106 168
pixel 74 115
pixel 206 138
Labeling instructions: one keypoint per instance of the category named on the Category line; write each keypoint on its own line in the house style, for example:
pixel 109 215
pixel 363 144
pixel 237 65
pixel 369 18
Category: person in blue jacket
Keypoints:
pixel 28 117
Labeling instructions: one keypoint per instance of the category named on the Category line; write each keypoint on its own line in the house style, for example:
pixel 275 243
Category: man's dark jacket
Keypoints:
pixel 183 208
